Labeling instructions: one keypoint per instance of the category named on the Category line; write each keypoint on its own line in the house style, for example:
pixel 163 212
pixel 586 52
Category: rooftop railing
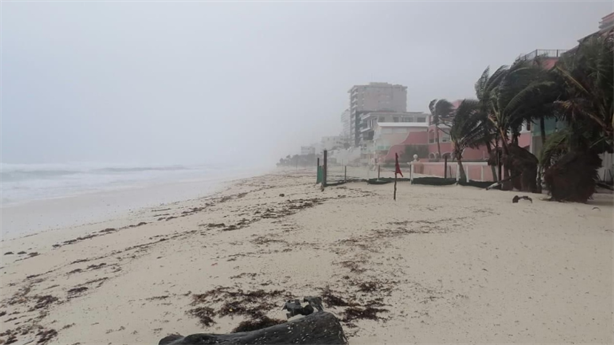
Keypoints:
pixel 548 53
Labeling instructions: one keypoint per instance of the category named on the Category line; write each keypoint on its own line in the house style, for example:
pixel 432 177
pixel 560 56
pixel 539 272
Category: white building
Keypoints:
pixel 374 97
pixel 345 125
pixel 308 150
pixel 331 143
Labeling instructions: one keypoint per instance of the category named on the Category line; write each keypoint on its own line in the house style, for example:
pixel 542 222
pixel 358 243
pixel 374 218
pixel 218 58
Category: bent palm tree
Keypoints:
pixel 514 101
pixel 484 90
pixel 440 109
pixel 466 131
pixel 588 93
pixel 586 105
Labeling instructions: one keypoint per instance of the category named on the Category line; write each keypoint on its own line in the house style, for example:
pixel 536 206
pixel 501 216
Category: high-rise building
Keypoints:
pixel 345 125
pixel 374 97
pixel 607 22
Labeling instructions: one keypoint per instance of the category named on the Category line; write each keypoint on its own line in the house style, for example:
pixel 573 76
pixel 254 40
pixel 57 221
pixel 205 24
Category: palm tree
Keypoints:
pixel 467 130
pixel 484 90
pixel 440 109
pixel 588 91
pixel 521 96
pixel 586 106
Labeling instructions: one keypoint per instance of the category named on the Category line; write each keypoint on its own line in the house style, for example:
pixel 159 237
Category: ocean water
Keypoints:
pixel 38 198
pixel 20 183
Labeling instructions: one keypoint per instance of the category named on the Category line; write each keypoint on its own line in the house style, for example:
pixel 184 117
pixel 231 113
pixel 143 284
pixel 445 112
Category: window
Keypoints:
pixel 422 119
pixel 445 138
pixel 395 119
pixel 381 119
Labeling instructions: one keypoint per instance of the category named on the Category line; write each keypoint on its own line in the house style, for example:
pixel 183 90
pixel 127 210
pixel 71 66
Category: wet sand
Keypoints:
pixel 439 265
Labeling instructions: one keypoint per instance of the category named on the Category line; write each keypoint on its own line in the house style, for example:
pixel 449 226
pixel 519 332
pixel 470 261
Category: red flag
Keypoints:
pixel 397 168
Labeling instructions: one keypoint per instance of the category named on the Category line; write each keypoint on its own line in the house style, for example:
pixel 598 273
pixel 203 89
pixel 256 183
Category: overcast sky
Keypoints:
pixel 208 82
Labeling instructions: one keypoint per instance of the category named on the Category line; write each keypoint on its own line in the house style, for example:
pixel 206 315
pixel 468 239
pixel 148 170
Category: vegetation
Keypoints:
pixel 440 111
pixel 298 160
pixel 466 131
pixel 578 92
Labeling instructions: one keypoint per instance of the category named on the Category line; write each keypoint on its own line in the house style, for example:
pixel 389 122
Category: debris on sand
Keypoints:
pixel 252 325
pixel 524 197
pixel 236 308
pixel 46 335
pixel 204 315
pixel 76 290
pixel 8 253
pixel 79 261
pixel 356 313
pixel 376 286
pixel 353 265
pixel 100 281
pixel 78 270
pixel 157 298
pixel 96 267
pixel 67 326
pixel 367 287
pixel 227 302
pixel 245 274
pixel 332 300
pixel 44 301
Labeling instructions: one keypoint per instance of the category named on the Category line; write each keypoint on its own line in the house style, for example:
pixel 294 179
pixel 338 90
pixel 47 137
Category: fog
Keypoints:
pixel 190 82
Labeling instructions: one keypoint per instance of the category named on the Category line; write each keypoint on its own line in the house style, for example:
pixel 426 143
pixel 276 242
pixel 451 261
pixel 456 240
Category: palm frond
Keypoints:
pixel 480 85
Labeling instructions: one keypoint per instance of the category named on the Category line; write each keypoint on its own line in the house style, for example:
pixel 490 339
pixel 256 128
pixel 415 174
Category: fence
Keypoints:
pixel 333 173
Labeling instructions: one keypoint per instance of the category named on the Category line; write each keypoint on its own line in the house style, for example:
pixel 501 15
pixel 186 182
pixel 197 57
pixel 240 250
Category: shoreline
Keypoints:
pixel 441 264
pixel 42 215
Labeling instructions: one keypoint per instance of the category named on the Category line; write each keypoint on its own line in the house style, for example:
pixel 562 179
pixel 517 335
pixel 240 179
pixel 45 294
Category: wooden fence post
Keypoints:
pixel 325 168
pixel 378 171
pixel 445 166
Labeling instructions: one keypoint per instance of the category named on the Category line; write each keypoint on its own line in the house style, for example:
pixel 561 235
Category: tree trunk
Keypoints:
pixel 492 167
pixel 498 160
pixel 461 170
pixel 542 133
pixel 542 130
pixel 437 139
pixel 507 185
pixel 317 328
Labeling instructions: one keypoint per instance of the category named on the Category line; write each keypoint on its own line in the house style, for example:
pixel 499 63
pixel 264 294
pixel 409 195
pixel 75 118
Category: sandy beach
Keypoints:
pixel 440 265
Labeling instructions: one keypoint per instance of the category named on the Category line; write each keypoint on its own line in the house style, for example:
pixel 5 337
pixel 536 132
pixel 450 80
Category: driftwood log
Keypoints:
pixel 317 328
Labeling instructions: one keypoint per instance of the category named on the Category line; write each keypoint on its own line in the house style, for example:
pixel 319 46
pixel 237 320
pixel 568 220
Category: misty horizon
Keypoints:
pixel 196 83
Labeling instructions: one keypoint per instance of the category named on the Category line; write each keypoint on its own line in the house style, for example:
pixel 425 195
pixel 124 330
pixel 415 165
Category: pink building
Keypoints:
pixel 389 138
pixel 392 137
